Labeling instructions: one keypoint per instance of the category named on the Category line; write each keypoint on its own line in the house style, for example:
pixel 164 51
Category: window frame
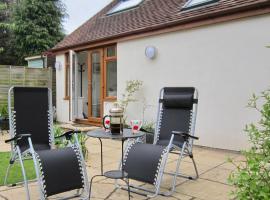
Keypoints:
pixel 111 12
pixel 67 76
pixel 208 2
pixel 106 59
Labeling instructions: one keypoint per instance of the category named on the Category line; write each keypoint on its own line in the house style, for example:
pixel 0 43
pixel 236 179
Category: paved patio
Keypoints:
pixel 212 165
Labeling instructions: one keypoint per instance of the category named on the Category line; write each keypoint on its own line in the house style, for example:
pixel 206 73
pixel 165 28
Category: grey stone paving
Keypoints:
pixel 212 184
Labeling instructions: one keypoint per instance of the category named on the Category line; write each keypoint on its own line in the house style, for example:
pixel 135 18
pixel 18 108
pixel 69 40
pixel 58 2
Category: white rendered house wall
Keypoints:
pixel 227 62
pixel 62 106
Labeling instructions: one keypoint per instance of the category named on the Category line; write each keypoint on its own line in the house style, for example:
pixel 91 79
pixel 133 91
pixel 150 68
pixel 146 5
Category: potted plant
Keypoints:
pixel 4 122
pixel 150 130
pixel 59 143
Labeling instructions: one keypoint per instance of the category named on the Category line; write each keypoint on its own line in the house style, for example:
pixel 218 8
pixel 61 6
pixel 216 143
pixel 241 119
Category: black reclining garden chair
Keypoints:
pixel 31 130
pixel 174 133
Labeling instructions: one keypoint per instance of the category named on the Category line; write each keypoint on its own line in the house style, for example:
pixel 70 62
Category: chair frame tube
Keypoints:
pixel 189 145
pixel 17 155
pixel 186 150
pixel 84 193
pixel 150 193
pixel 12 120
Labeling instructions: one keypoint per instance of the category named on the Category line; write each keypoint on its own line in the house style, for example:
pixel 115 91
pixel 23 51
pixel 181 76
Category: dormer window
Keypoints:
pixel 124 5
pixel 197 3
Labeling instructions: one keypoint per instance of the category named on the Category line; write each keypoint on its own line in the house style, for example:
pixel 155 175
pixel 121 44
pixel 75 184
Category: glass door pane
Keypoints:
pixel 96 84
pixel 111 78
pixel 73 83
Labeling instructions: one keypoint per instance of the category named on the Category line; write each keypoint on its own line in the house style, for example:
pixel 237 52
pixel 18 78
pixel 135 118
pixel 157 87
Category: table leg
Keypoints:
pixel 91 182
pixel 101 155
pixel 126 181
pixel 128 189
pixel 122 152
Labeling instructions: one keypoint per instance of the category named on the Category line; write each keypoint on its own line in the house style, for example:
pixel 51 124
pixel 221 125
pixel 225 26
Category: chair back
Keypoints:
pixel 177 112
pixel 32 114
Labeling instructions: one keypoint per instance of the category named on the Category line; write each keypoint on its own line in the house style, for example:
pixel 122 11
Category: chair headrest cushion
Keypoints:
pixel 178 101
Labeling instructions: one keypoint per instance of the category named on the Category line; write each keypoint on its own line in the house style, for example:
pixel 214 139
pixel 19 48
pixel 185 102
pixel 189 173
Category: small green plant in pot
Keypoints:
pixel 252 178
pixel 148 127
pixel 4 122
pixel 4 112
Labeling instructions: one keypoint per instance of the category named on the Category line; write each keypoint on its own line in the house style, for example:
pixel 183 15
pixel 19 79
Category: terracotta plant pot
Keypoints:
pixel 149 138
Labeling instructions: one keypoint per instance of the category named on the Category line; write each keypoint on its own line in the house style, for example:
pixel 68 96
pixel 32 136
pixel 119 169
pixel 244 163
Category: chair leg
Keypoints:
pixel 41 192
pixel 176 171
pixel 11 162
pixel 141 191
pixel 184 175
pixel 24 174
pixel 195 167
pixel 128 188
pixel 7 174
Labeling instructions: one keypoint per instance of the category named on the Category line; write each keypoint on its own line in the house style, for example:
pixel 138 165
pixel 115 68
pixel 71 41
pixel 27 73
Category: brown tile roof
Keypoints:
pixel 149 15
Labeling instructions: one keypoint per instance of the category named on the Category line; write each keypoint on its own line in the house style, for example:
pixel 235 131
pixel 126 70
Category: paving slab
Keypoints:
pixel 212 166
pixel 218 174
pixel 3 146
pixel 18 193
pixel 80 127
pixel 213 157
pixel 238 160
pixel 205 189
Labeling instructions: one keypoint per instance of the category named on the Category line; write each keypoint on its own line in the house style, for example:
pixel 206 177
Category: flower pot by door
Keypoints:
pixel 4 124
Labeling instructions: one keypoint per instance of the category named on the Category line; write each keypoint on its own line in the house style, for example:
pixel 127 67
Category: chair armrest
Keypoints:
pixel 17 138
pixel 143 130
pixel 68 134
pixel 184 135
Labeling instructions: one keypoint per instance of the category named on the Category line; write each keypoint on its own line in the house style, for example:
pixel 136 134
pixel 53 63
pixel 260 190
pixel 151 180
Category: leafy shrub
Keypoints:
pixel 61 142
pixel 252 178
pixel 57 130
pixel 150 130
pixel 149 127
pixel 4 112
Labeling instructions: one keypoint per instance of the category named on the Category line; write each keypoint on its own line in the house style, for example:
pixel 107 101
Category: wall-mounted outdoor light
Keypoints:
pixel 150 52
pixel 58 65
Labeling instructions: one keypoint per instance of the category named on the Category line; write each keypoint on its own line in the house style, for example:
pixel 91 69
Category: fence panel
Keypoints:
pixel 23 76
pixel 4 84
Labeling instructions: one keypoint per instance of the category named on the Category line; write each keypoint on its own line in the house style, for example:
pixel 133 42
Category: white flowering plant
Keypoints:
pixel 252 177
pixel 132 86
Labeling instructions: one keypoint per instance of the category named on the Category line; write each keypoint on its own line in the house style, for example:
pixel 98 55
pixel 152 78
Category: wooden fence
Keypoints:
pixel 23 76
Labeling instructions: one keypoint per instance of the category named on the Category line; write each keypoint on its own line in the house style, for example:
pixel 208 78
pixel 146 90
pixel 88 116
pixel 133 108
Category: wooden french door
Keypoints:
pixel 73 82
pixel 95 86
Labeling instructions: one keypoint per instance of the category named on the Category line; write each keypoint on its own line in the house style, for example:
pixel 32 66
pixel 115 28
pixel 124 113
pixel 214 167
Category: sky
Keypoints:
pixel 79 11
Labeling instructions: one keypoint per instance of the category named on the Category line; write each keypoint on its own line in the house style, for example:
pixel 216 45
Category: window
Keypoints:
pixel 110 51
pixel 110 73
pixel 67 76
pixel 124 5
pixel 197 3
pixel 111 78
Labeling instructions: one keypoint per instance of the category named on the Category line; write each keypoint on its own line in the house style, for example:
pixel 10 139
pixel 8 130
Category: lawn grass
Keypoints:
pixel 15 172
